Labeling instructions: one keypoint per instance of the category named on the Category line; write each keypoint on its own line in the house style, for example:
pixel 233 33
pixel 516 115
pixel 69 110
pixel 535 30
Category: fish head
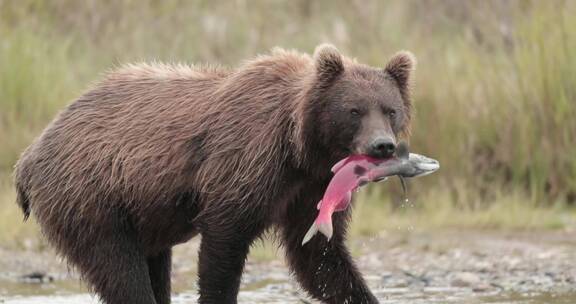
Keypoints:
pixel 403 164
pixel 420 165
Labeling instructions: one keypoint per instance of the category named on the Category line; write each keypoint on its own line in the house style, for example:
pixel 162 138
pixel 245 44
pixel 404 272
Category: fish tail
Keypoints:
pixel 311 232
pixel 325 228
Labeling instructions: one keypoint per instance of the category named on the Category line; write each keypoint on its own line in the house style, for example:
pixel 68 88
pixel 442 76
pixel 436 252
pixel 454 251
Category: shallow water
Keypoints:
pixel 280 291
pixel 417 267
pixel 271 296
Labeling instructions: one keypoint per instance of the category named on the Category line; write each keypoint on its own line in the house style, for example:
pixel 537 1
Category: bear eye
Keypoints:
pixel 392 113
pixel 354 112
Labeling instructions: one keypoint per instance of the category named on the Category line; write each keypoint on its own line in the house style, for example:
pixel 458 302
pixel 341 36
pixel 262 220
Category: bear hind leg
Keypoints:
pixel 116 269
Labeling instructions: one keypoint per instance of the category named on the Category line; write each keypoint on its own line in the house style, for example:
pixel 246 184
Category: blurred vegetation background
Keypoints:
pixel 495 89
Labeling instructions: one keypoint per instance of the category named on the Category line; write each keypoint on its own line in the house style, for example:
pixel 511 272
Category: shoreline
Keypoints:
pixel 398 265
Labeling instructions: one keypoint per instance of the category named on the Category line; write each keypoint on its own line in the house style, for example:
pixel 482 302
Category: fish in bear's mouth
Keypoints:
pixel 355 171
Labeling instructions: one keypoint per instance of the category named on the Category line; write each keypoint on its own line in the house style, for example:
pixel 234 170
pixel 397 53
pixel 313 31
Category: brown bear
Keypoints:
pixel 155 154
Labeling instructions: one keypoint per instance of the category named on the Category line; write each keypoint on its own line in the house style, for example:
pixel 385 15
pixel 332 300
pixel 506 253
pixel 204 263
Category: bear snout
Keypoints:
pixel 381 147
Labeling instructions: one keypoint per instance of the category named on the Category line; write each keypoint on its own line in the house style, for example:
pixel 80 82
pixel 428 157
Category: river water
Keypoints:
pixel 285 292
pixel 439 267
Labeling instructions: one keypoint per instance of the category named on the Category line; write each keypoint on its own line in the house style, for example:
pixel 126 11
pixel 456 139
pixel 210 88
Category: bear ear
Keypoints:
pixel 399 68
pixel 328 63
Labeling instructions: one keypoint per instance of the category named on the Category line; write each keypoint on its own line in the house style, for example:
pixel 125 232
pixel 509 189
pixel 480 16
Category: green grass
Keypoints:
pixel 494 90
pixel 14 232
pixel 435 210
pixel 265 250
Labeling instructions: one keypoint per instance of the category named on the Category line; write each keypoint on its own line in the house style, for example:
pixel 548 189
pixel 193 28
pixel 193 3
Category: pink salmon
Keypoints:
pixel 357 170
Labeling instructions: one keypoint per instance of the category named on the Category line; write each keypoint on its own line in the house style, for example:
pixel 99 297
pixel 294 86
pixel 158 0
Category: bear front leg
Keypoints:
pixel 324 269
pixel 159 267
pixel 226 240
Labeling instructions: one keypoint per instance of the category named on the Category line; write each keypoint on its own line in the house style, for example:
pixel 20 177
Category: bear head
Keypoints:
pixel 351 108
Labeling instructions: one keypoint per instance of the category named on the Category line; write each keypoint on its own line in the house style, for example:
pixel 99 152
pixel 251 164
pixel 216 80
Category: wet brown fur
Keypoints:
pixel 155 154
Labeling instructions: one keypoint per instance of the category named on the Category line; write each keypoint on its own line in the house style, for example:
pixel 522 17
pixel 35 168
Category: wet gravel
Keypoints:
pixel 481 262
pixel 400 267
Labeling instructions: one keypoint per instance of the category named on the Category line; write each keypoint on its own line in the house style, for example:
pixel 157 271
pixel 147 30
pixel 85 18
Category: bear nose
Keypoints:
pixel 382 148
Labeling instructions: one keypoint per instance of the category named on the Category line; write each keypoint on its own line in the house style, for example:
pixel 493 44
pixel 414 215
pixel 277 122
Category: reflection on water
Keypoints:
pixel 276 291
pixel 419 267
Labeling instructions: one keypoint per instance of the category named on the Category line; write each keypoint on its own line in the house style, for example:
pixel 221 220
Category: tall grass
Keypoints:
pixel 495 89
pixel 502 106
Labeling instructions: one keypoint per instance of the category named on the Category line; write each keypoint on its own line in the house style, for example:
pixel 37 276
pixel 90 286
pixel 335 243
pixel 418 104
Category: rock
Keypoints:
pixel 466 279
pixel 36 277
pixel 482 287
